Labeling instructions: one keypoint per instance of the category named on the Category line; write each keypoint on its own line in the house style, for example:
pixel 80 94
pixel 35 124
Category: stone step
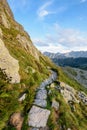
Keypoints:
pixel 41 103
pixel 38 117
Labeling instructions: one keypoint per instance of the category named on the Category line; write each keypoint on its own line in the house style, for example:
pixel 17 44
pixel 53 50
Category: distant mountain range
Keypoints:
pixel 77 59
pixel 74 54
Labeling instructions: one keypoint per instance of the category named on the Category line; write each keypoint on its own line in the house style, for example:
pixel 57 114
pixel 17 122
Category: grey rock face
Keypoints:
pixel 38 117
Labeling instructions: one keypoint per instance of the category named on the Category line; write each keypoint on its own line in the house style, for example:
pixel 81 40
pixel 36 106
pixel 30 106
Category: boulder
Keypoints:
pixel 9 64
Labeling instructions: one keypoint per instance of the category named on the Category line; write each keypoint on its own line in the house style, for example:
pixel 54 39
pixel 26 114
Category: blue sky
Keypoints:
pixel 54 25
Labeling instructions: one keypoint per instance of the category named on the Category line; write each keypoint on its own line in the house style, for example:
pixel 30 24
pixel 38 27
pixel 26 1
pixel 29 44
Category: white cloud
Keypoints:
pixel 82 1
pixel 43 11
pixel 63 40
pixel 40 42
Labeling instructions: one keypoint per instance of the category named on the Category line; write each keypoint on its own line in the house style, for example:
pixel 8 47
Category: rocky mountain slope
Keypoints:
pixel 35 94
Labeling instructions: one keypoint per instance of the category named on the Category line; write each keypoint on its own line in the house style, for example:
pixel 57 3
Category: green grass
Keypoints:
pixel 29 80
pixel 66 79
pixel 72 71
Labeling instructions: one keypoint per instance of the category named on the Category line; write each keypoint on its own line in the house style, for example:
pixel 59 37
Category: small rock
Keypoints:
pixel 52 85
pixel 55 104
pixel 22 97
pixel 38 117
pixel 69 129
pixel 16 120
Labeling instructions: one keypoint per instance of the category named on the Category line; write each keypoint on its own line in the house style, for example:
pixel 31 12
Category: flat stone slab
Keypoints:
pixel 41 94
pixel 41 103
pixel 38 117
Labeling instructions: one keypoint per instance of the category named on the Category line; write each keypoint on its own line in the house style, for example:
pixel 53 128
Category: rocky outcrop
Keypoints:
pixel 4 21
pixel 8 64
pixel 83 97
pixel 6 6
pixel 27 45
pixel 68 92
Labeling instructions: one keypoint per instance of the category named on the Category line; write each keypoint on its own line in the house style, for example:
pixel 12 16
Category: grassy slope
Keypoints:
pixel 29 81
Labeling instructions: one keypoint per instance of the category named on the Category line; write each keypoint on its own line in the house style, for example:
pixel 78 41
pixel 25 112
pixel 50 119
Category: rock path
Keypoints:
pixel 38 114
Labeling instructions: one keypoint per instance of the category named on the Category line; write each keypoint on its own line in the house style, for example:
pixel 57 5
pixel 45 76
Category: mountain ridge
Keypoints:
pixel 74 54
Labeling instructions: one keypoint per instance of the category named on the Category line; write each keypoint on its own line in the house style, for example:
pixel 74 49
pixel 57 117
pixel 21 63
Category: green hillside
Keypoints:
pixel 34 68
